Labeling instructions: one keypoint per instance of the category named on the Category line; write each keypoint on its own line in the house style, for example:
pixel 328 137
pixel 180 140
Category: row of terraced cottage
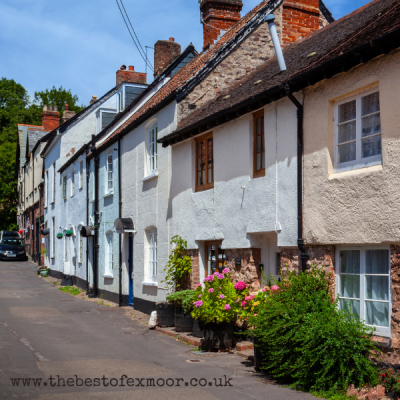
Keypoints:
pixel 257 167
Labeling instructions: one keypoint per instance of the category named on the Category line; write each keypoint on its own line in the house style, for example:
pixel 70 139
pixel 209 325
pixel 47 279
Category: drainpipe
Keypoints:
pixel 270 18
pixel 40 236
pixel 87 224
pixel 96 219
pixel 119 216
pixel 300 115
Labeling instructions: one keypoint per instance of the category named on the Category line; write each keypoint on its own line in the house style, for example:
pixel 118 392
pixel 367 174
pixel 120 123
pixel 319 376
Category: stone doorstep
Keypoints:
pixel 183 336
pixel 242 346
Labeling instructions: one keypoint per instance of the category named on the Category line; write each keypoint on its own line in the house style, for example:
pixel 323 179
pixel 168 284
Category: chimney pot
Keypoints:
pixel 66 107
pixel 93 100
pixel 50 117
pixel 131 68
pixel 123 67
pixel 171 39
pixel 124 75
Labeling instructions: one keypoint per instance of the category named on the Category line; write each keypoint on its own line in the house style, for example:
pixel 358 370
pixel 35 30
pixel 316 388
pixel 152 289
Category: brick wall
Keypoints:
pixel 130 76
pixel 165 51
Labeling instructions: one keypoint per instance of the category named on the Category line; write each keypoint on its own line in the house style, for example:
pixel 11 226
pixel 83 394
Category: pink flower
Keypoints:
pixel 221 276
pixel 249 298
pixel 205 280
pixel 227 307
pixel 266 289
pixel 221 296
pixel 240 285
pixel 199 303
pixel 210 278
pixel 275 287
pixel 211 290
pixel 243 303
pixel 215 273
pixel 198 285
pixel 225 271
pixel 255 315
pixel 220 288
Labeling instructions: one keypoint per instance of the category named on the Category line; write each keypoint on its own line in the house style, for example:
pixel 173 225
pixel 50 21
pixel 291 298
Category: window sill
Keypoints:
pixel 357 169
pixel 203 188
pixel 110 276
pixel 259 174
pixel 149 284
pixel 154 174
pixel 109 194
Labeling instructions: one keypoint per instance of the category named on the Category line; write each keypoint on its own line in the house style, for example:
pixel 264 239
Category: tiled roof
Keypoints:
pixel 337 41
pixel 34 136
pixel 199 62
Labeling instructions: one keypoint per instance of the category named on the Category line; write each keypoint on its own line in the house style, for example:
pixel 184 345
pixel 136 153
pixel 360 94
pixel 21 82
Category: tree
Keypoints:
pixel 53 97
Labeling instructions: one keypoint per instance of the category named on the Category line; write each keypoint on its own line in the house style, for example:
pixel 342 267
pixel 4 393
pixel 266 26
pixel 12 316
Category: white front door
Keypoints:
pixel 67 269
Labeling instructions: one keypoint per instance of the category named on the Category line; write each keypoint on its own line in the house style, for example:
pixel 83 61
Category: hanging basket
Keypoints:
pixel 60 235
pixel 69 232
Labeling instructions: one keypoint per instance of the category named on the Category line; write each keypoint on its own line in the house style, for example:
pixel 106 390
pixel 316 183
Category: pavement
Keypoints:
pixel 54 346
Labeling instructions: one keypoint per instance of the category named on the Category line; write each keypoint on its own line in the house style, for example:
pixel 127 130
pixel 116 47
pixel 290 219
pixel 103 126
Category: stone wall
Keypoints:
pixel 195 275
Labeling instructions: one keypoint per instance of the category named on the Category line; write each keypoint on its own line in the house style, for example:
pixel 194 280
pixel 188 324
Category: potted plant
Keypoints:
pixel 60 235
pixel 69 232
pixel 183 302
pixel 218 304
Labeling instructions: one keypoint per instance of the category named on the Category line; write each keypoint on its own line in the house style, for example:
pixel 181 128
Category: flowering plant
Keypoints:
pixel 390 381
pixel 217 299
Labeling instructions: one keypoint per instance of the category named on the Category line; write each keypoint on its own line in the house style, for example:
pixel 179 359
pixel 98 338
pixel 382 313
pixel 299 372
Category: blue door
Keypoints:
pixel 130 268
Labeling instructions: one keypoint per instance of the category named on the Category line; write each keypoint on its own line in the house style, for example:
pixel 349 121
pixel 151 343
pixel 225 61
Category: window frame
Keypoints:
pixel 207 267
pixel 151 256
pixel 107 180
pixel 381 331
pixel 358 162
pixel 257 115
pixel 72 181
pixel 53 198
pixel 99 118
pixel 64 187
pixel 205 186
pixel 120 100
pixel 46 189
pixel 109 262
pixel 152 154
pixel 53 245
pixel 80 174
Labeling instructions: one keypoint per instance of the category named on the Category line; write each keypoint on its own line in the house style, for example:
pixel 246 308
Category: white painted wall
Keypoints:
pixel 147 202
pixel 240 208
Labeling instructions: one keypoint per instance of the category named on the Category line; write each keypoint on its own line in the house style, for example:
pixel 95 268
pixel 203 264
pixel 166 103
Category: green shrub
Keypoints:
pixel 306 340
pixel 183 299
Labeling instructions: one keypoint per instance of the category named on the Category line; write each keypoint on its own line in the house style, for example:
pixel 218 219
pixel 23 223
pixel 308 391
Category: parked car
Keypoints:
pixel 10 234
pixel 12 248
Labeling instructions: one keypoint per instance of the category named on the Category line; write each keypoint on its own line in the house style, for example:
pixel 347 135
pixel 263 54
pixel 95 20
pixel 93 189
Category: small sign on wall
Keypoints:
pixel 43 240
pixel 238 261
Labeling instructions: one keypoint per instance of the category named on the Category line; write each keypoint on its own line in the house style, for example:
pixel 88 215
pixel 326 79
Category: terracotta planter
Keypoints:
pixel 183 322
pixel 219 336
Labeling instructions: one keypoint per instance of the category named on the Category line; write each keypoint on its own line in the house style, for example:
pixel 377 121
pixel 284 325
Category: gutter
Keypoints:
pixel 119 216
pixel 300 147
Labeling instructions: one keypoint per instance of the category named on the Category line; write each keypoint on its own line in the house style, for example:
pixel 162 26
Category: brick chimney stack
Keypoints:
pixel 67 114
pixel 217 16
pixel 124 75
pixel 299 19
pixel 50 118
pixel 165 51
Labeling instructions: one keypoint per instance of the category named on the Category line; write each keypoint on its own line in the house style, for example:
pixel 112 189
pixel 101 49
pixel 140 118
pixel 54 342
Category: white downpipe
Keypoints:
pixel 270 18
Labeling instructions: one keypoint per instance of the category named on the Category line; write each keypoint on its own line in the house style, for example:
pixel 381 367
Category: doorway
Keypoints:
pixel 130 270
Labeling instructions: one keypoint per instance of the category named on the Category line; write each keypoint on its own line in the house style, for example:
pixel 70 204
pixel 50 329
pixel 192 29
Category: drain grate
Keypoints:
pixel 68 300
pixel 194 361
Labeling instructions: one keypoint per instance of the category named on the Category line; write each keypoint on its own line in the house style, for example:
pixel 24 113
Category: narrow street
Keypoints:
pixel 50 336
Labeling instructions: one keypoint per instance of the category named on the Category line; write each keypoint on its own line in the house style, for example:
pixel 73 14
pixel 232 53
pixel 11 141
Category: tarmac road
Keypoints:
pixel 56 347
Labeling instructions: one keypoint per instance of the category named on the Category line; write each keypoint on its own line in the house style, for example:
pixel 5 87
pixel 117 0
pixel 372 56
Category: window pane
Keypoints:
pixel 350 286
pixel 371 146
pixel 346 152
pixel 377 313
pixel 352 305
pixel 258 143
pixel 347 111
pixel 370 104
pixel 371 125
pixel 203 177
pixel 350 261
pixel 110 186
pixel 377 261
pixel 377 287
pixel 210 176
pixel 347 132
pixel 262 160
pixel 258 161
pixel 259 126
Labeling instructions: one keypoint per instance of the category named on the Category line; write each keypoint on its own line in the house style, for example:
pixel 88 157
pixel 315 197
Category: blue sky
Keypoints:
pixel 80 44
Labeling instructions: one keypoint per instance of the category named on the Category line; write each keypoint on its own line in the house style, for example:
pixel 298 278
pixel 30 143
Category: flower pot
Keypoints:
pixel 165 314
pixel 183 322
pixel 198 328
pixel 44 272
pixel 60 235
pixel 218 336
pixel 69 233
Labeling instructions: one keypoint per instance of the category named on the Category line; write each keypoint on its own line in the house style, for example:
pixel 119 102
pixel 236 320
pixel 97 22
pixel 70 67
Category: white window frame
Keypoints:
pixel 72 181
pixel 53 197
pixel 107 179
pixel 120 100
pixel 64 187
pixel 152 166
pixel 109 261
pixel 80 174
pixel 53 235
pixel 99 115
pixel 381 331
pixel 152 256
pixel 46 189
pixel 358 162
